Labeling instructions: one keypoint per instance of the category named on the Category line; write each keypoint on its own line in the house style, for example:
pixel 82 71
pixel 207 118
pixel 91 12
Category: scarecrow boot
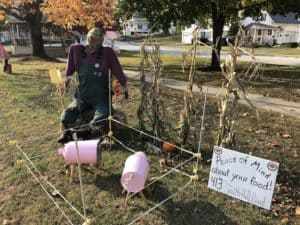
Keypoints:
pixel 66 135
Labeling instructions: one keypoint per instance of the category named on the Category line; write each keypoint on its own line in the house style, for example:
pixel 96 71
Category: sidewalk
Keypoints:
pixel 263 58
pixel 273 104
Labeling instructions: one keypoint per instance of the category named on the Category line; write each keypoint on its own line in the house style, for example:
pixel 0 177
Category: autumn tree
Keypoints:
pixel 66 13
pixel 78 13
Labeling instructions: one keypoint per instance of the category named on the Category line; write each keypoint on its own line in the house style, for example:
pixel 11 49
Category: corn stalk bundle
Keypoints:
pixel 232 88
pixel 186 113
pixel 151 105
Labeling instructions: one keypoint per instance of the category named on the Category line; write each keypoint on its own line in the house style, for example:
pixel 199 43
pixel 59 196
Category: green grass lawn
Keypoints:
pixel 295 52
pixel 168 40
pixel 29 114
pixel 271 80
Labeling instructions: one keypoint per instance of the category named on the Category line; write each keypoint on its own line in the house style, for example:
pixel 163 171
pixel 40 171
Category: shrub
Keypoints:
pixel 292 45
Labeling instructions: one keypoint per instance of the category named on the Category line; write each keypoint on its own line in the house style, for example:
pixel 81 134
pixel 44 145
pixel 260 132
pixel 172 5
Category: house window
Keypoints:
pixel 259 32
pixel 131 25
pixel 270 32
pixel 140 26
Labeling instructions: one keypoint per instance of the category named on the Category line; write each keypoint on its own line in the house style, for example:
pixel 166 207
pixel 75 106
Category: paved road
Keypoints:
pixel 267 59
pixel 273 104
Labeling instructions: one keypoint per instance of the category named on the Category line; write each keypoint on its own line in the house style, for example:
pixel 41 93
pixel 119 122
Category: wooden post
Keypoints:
pixel 72 173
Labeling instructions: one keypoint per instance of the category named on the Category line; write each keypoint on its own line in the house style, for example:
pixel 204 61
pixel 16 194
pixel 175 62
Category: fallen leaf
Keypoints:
pixel 297 211
pixel 287 135
pixel 261 131
pixel 284 220
pixel 249 130
pixel 19 162
pixel 55 193
pixel 13 142
pixel 45 178
pixel 87 222
pixel 274 144
pixel 51 122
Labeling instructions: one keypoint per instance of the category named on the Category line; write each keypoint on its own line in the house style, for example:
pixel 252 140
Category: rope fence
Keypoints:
pixel 111 119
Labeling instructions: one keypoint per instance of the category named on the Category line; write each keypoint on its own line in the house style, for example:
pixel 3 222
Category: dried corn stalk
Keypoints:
pixel 232 88
pixel 141 109
pixel 186 113
pixel 151 105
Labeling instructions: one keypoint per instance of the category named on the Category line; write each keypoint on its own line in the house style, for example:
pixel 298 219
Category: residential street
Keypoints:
pixel 267 59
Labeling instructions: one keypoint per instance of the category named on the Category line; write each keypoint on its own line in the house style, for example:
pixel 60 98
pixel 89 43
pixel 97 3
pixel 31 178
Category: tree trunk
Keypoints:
pixel 218 26
pixel 36 35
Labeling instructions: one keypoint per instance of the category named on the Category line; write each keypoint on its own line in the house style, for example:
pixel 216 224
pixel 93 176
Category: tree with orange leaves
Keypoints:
pixel 67 13
pixel 74 13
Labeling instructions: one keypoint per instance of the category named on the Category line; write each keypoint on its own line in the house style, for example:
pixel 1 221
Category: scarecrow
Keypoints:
pixel 92 63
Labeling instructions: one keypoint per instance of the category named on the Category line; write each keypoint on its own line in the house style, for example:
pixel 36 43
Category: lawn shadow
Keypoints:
pixel 195 212
pixel 110 182
pixel 188 211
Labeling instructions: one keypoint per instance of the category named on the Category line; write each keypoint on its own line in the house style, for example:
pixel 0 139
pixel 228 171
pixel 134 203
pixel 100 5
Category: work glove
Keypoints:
pixel 124 90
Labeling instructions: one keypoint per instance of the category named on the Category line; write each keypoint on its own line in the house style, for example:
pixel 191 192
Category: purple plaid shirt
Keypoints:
pixel 108 61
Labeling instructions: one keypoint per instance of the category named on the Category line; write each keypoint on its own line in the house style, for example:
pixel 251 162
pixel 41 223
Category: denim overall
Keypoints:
pixel 92 93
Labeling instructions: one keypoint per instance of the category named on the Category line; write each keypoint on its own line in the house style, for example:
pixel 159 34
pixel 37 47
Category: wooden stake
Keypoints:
pixel 72 173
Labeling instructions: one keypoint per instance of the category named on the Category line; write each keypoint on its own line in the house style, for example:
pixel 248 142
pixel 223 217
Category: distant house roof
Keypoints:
pixel 138 16
pixel 288 18
pixel 259 26
pixel 10 19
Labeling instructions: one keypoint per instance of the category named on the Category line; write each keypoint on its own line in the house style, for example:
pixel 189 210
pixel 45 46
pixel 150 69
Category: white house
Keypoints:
pixel 203 34
pixel 269 30
pixel 136 25
pixel 19 31
pixel 273 29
